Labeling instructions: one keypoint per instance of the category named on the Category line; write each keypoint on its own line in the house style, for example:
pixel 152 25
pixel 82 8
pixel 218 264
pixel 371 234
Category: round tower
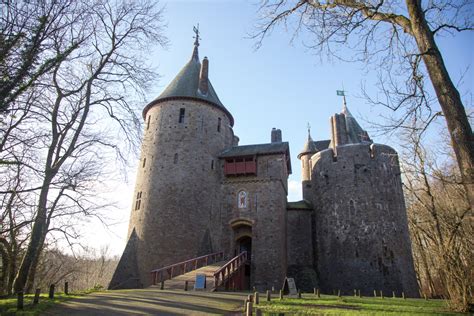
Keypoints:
pixel 362 239
pixel 309 150
pixel 178 178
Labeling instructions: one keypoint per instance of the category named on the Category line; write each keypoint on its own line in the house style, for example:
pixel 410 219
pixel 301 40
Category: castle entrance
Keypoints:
pixel 242 231
pixel 244 243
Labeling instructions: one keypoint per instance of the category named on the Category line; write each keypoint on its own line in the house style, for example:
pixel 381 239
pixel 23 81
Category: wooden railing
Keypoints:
pixel 168 272
pixel 231 274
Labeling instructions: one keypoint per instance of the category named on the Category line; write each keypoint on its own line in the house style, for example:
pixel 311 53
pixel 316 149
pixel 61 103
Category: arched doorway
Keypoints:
pixel 242 241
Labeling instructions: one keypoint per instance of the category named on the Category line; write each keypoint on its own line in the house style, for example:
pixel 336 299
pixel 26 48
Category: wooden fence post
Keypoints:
pixel 317 293
pixel 37 296
pixel 248 312
pixel 19 303
pixel 66 288
pixel 269 297
pixel 281 294
pixel 185 285
pixel 162 286
pixel 381 294
pixel 51 291
pixel 375 293
pixel 403 295
pixel 256 300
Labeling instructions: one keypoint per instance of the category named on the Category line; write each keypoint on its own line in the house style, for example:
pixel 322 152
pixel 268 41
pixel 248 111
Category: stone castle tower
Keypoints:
pixel 360 232
pixel 178 179
pixel 198 192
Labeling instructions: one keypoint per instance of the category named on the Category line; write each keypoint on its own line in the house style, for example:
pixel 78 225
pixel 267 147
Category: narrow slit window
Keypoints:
pixel 148 122
pixel 144 162
pixel 219 123
pixel 212 164
pixel 181 115
pixel 175 160
pixel 138 201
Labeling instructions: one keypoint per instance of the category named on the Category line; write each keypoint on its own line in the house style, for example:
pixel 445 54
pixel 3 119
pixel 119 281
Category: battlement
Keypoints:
pixel 358 153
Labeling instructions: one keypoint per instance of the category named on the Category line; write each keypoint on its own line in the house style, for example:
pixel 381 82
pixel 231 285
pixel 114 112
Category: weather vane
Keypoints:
pixel 197 37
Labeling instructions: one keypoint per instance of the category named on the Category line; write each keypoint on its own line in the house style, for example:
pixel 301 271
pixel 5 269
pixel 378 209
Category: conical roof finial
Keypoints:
pixel 196 43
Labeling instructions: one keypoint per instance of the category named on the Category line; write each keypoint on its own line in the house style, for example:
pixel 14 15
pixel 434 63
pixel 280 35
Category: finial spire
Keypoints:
pixel 196 42
pixel 309 131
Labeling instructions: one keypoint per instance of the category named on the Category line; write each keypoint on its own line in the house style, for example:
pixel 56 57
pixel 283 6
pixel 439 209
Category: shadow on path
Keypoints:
pixel 152 302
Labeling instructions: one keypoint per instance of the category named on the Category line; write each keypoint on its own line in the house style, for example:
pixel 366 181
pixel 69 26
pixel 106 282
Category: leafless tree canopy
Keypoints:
pixel 74 75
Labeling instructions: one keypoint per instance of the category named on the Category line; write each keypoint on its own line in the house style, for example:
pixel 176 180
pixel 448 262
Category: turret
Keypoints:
pixel 178 179
pixel 309 149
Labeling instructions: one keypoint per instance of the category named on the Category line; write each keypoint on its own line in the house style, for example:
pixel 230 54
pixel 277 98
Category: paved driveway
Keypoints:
pixel 152 301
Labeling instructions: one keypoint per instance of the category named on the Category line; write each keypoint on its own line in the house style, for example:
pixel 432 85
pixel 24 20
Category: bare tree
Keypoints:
pixel 397 37
pixel 26 29
pixel 79 114
pixel 441 225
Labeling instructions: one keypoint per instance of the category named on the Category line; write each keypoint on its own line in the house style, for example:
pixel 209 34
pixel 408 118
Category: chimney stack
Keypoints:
pixel 276 135
pixel 203 77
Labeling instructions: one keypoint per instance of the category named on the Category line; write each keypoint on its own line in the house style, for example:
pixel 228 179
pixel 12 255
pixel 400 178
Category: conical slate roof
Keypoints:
pixel 309 147
pixel 186 86
pixel 355 133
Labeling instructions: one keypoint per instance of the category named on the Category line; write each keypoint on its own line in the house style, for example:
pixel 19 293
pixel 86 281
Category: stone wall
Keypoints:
pixel 362 239
pixel 300 249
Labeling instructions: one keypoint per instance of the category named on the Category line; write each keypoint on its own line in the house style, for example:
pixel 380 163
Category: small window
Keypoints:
pixel 219 122
pixel 181 115
pixel 138 201
pixel 212 164
pixel 144 162
pixel 148 122
pixel 175 160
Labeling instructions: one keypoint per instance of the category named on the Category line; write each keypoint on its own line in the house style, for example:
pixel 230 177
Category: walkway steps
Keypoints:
pixel 179 281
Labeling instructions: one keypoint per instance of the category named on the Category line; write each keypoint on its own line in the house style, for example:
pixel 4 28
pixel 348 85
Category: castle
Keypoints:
pixel 198 191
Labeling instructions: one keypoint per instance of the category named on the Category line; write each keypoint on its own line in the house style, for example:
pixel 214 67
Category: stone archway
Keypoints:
pixel 242 241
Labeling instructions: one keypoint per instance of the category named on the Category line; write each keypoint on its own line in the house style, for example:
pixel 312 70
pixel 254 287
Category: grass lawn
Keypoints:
pixel 309 304
pixel 8 304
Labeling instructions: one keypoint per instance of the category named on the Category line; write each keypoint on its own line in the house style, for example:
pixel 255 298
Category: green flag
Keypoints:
pixel 340 92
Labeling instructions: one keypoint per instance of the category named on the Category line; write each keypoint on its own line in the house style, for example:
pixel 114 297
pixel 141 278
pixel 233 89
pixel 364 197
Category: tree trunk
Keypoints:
pixel 37 238
pixel 448 96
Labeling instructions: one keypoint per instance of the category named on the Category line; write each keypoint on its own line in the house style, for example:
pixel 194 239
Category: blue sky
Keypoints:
pixel 280 85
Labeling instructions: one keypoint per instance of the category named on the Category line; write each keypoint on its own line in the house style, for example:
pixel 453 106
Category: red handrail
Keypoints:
pixel 158 275
pixel 229 269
